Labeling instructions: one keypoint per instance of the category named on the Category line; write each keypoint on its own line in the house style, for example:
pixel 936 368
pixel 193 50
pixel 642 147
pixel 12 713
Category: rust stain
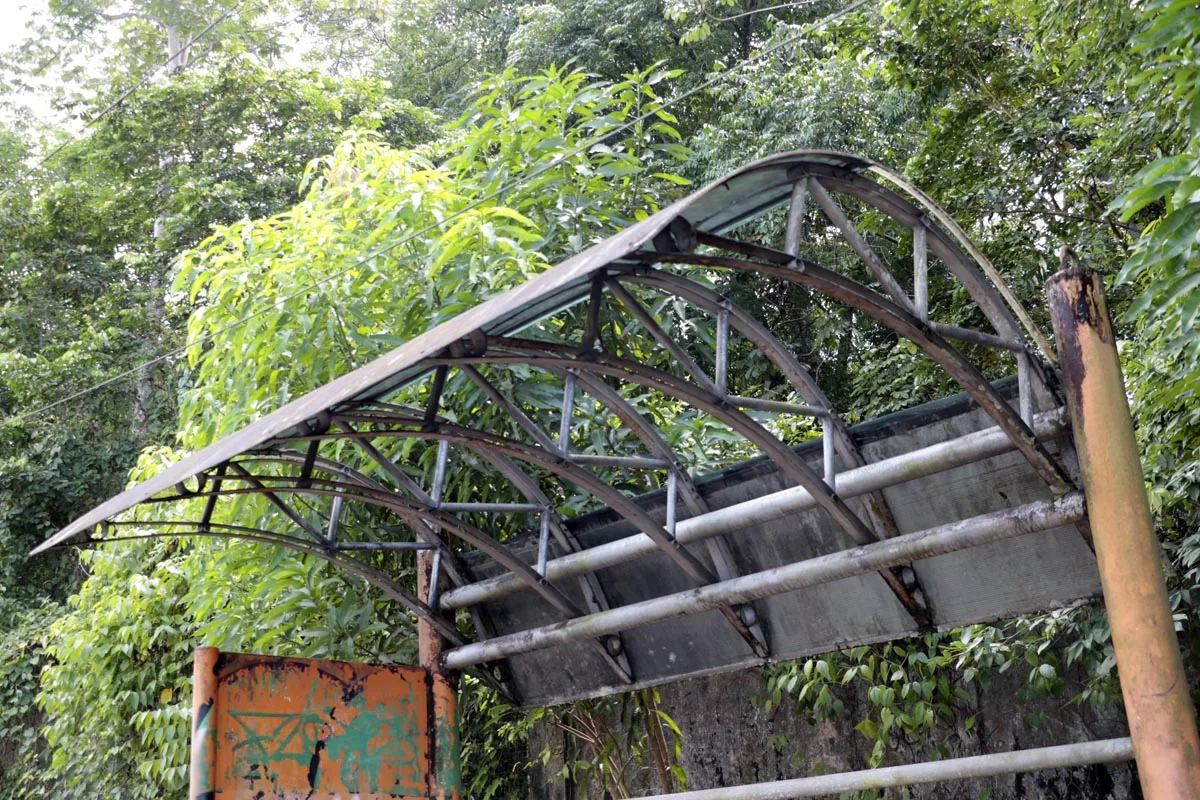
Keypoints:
pixel 269 728
pixel 1162 720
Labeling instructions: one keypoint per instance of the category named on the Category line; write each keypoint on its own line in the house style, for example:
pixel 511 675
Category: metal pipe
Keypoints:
pixel 827 453
pixel 543 542
pixel 202 779
pixel 522 508
pixel 961 535
pixel 872 477
pixel 976 337
pixel 335 517
pixel 1025 404
pixel 385 546
pixel 722 368
pixel 633 462
pixel 795 220
pixel 568 406
pixel 1162 720
pixel 439 472
pixel 1105 751
pixel 672 489
pixel 777 406
pixel 435 580
pixel 920 273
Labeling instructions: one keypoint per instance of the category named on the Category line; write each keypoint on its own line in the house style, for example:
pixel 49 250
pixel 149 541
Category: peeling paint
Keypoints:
pixel 299 729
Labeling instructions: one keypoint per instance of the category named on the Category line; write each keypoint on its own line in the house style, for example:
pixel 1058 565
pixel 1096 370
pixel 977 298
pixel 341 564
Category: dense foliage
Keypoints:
pixel 381 175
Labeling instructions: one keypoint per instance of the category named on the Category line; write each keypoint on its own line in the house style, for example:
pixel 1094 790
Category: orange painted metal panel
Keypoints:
pixel 267 728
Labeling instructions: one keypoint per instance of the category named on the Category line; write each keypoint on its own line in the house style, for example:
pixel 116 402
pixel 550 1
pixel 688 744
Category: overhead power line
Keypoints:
pixel 497 193
pixel 30 42
pixel 115 104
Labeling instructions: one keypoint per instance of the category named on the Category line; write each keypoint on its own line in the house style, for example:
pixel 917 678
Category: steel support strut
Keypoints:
pixel 1162 720
pixel 443 687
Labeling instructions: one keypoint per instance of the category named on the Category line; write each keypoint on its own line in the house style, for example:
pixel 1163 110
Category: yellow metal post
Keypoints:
pixel 1162 719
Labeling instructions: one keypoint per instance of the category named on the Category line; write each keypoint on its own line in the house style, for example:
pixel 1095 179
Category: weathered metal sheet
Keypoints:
pixel 1051 569
pixel 269 728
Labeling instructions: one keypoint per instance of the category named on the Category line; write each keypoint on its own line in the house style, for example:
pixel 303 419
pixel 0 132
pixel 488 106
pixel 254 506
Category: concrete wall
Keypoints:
pixel 725 743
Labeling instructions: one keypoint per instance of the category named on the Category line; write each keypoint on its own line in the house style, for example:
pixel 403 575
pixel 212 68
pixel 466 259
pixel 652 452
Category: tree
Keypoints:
pixel 354 225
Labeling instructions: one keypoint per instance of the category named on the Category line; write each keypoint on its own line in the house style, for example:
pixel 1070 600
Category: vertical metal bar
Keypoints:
pixel 440 744
pixel 203 772
pixel 210 505
pixel 435 578
pixel 722 370
pixel 1162 719
pixel 672 493
pixel 310 459
pixel 568 407
pixel 335 516
pixel 795 220
pixel 859 245
pixel 1025 402
pixel 920 272
pixel 828 452
pixel 543 543
pixel 591 334
pixel 435 397
pixel 439 472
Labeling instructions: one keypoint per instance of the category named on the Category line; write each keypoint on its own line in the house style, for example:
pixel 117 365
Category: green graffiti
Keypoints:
pixel 361 760
pixel 360 743
pixel 269 739
pixel 449 768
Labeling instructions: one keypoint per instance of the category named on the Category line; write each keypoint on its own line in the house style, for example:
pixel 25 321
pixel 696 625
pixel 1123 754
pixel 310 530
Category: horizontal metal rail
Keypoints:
pixel 977 337
pixel 1105 751
pixel 777 406
pixel 522 508
pixel 632 462
pixel 385 546
pixel 964 534
pixel 872 477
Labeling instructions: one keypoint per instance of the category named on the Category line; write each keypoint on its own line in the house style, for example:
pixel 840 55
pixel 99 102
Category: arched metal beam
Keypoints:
pixel 806 273
pixel 530 454
pixel 594 596
pixel 988 297
pixel 874 503
pixel 788 462
pixel 551 355
pixel 553 463
pixel 258 484
pixel 483 625
pixel 744 620
pixel 352 565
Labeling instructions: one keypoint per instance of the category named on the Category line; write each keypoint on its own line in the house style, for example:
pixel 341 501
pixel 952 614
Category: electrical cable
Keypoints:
pixel 113 106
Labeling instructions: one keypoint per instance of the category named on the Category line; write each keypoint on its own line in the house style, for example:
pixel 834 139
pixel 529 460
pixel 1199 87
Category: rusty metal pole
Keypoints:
pixel 445 774
pixel 1162 720
pixel 202 778
pixel 429 644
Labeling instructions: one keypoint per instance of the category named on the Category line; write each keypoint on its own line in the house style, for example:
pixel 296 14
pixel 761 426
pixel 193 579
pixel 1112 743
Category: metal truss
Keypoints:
pixel 307 452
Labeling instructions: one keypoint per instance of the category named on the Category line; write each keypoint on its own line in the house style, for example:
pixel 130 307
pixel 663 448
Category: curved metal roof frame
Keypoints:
pixel 354 407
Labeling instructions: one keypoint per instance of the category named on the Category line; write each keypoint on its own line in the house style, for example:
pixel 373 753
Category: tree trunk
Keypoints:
pixel 143 408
